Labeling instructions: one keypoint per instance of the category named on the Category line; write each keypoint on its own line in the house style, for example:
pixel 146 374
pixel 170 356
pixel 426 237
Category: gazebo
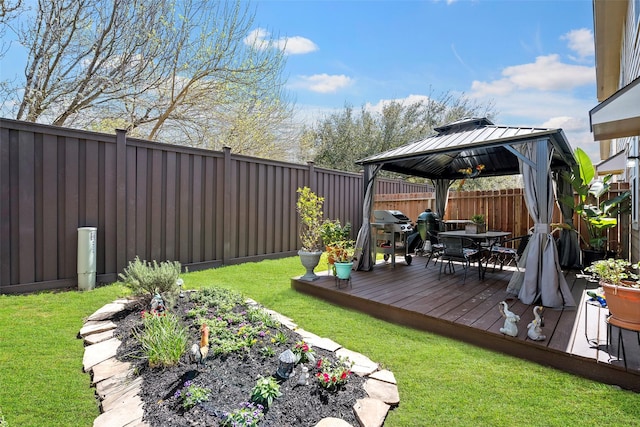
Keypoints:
pixel 538 154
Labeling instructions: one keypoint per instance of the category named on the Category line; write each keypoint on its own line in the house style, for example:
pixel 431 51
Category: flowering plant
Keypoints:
pixel 191 395
pixel 304 353
pixel 332 377
pixel 248 415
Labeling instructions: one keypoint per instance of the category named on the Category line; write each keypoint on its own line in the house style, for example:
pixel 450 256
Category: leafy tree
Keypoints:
pixel 162 69
pixel 342 138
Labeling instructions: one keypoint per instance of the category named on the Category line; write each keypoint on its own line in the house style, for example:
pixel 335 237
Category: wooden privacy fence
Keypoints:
pixel 503 210
pixel 152 200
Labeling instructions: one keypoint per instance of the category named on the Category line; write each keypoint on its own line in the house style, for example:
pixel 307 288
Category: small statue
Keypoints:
pixel 535 327
pixel 157 304
pixel 303 379
pixel 510 319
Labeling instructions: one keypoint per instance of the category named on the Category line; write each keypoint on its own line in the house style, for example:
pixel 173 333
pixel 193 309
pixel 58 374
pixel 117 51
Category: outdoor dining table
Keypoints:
pixel 488 236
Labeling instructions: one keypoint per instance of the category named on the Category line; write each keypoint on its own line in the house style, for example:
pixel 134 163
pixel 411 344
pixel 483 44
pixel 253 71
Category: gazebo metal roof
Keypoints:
pixel 467 143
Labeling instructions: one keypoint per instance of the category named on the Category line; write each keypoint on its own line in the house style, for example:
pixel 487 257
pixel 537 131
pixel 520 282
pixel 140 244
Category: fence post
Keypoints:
pixel 226 217
pixel 121 199
pixel 312 176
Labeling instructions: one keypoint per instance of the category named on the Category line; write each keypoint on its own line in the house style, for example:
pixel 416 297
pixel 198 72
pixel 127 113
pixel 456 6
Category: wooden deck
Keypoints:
pixel 412 295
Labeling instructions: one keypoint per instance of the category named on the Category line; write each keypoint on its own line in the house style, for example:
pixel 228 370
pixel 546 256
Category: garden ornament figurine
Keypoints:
pixel 535 327
pixel 199 352
pixel 510 320
pixel 157 304
pixel 303 379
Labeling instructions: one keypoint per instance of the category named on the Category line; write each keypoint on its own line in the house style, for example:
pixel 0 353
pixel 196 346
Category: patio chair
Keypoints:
pixel 433 249
pixel 461 249
pixel 508 251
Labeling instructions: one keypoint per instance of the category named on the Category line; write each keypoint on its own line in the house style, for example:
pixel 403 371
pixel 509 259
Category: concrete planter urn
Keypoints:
pixel 309 261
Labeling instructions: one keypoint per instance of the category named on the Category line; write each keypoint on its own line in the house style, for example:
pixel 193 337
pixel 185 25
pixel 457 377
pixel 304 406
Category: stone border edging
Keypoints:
pixel 118 390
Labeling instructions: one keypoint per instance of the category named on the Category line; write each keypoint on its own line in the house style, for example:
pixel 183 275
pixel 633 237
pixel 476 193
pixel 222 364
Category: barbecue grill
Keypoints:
pixel 390 229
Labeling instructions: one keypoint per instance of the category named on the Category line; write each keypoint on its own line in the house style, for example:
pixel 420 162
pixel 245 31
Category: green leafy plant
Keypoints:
pixel 163 339
pixel 3 422
pixel 265 390
pixel 597 216
pixel 332 377
pixel 144 277
pixel 279 338
pixel 267 352
pixel 191 395
pixel 304 353
pixel 309 207
pixel 248 415
pixel 615 271
pixel 477 219
pixel 332 232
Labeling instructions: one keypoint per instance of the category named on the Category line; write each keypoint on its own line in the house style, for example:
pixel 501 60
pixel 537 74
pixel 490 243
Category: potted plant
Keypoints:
pixel 332 232
pixel 621 291
pixel 477 225
pixel 309 207
pixel 342 254
pixel 597 216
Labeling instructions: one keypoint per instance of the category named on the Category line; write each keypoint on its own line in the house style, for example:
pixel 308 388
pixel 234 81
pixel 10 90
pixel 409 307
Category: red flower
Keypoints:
pixel 319 364
pixel 344 375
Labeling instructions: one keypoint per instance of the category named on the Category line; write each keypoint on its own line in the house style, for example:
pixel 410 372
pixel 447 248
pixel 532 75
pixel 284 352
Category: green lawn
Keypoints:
pixel 441 381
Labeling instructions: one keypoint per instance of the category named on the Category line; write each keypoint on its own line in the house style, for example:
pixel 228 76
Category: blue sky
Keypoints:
pixel 533 59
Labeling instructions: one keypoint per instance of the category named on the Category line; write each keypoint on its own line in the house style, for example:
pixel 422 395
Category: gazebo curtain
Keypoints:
pixel 542 279
pixel 442 195
pixel 363 242
pixel 568 243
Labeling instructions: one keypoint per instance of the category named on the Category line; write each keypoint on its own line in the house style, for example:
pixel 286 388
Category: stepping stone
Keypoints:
pixel 107 311
pixel 100 352
pixel 94 327
pixel 99 337
pixel 384 375
pixel 370 412
pixel 332 422
pixel 362 364
pixel 108 369
pixel 325 344
pixel 131 412
pixel 381 390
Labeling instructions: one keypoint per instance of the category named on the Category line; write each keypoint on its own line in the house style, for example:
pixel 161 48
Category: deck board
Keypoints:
pixel 415 296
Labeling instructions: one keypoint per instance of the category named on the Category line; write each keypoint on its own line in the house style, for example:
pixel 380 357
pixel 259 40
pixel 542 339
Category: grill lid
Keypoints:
pixel 391 217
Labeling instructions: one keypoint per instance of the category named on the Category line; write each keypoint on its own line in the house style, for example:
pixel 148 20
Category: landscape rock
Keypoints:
pixel 362 364
pixel 332 422
pixel 325 344
pixel 94 327
pixel 107 311
pixel 381 390
pixel 99 337
pixel 131 412
pixel 384 375
pixel 122 395
pixel 370 412
pixel 109 368
pixel 100 352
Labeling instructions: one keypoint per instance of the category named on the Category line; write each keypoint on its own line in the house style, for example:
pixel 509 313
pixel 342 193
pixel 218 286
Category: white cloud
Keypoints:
pixel 323 83
pixel 411 99
pixel 581 42
pixel 295 45
pixel 547 73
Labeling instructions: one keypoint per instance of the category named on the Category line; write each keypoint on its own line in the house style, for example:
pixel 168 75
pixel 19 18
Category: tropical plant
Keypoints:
pixel 597 216
pixel 265 390
pixel 615 271
pixel 309 207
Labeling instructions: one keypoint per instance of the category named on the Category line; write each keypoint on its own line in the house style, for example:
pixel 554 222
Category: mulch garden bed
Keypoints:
pixel 245 349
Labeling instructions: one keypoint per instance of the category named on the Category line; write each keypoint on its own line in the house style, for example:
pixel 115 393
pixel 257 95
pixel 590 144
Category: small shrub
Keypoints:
pixel 163 339
pixel 191 395
pixel 265 390
pixel 150 277
pixel 249 415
